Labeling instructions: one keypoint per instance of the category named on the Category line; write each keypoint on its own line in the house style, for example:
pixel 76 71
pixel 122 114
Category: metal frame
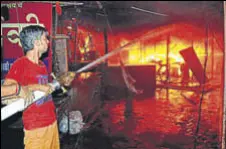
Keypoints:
pixel 62 3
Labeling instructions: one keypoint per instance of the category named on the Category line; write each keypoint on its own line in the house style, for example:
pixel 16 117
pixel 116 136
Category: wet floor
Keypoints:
pixel 154 123
pixel 144 123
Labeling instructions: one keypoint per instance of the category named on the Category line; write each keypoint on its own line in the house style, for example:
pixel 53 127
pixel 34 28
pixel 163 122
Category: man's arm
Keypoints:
pixel 11 91
pixel 9 87
pixel 8 90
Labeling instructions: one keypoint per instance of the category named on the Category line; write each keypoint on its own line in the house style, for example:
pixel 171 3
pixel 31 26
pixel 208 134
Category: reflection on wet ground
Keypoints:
pixel 153 123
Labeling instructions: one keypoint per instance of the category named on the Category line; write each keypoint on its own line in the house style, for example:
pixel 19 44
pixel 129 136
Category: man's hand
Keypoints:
pixel 26 94
pixel 67 78
pixel 46 88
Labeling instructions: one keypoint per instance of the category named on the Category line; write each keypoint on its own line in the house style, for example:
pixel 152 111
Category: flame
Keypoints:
pixel 152 48
pixel 87 44
pixel 84 42
pixel 85 75
pixel 84 47
pixel 139 53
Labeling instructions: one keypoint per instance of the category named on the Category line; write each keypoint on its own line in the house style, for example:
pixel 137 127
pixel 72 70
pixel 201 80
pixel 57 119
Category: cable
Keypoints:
pixel 201 98
pixel 100 6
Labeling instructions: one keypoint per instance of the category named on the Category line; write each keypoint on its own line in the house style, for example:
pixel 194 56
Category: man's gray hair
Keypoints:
pixel 29 34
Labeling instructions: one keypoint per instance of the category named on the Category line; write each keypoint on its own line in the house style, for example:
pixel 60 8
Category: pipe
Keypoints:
pixel 224 101
pixel 54 2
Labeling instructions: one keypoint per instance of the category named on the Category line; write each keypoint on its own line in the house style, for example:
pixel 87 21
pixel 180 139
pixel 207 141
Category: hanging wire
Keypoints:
pixel 105 14
pixel 203 87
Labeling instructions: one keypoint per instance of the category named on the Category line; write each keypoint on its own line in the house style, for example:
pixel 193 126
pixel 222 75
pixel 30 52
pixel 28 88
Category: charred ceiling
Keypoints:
pixel 123 14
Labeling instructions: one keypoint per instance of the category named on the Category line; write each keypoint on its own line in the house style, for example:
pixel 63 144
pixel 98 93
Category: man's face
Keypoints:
pixel 44 42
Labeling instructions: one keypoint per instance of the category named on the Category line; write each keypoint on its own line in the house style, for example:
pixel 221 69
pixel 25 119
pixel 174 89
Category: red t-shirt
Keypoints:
pixel 42 112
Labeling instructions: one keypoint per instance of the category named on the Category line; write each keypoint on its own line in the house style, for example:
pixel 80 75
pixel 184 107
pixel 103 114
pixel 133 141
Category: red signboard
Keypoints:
pixel 22 14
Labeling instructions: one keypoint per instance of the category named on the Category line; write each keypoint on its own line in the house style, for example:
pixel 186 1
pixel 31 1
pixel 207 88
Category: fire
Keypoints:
pixel 84 47
pixel 140 53
pixel 84 76
pixel 152 47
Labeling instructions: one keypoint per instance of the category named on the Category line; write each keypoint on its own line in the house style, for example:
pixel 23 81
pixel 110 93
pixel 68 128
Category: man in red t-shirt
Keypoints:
pixel 39 118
